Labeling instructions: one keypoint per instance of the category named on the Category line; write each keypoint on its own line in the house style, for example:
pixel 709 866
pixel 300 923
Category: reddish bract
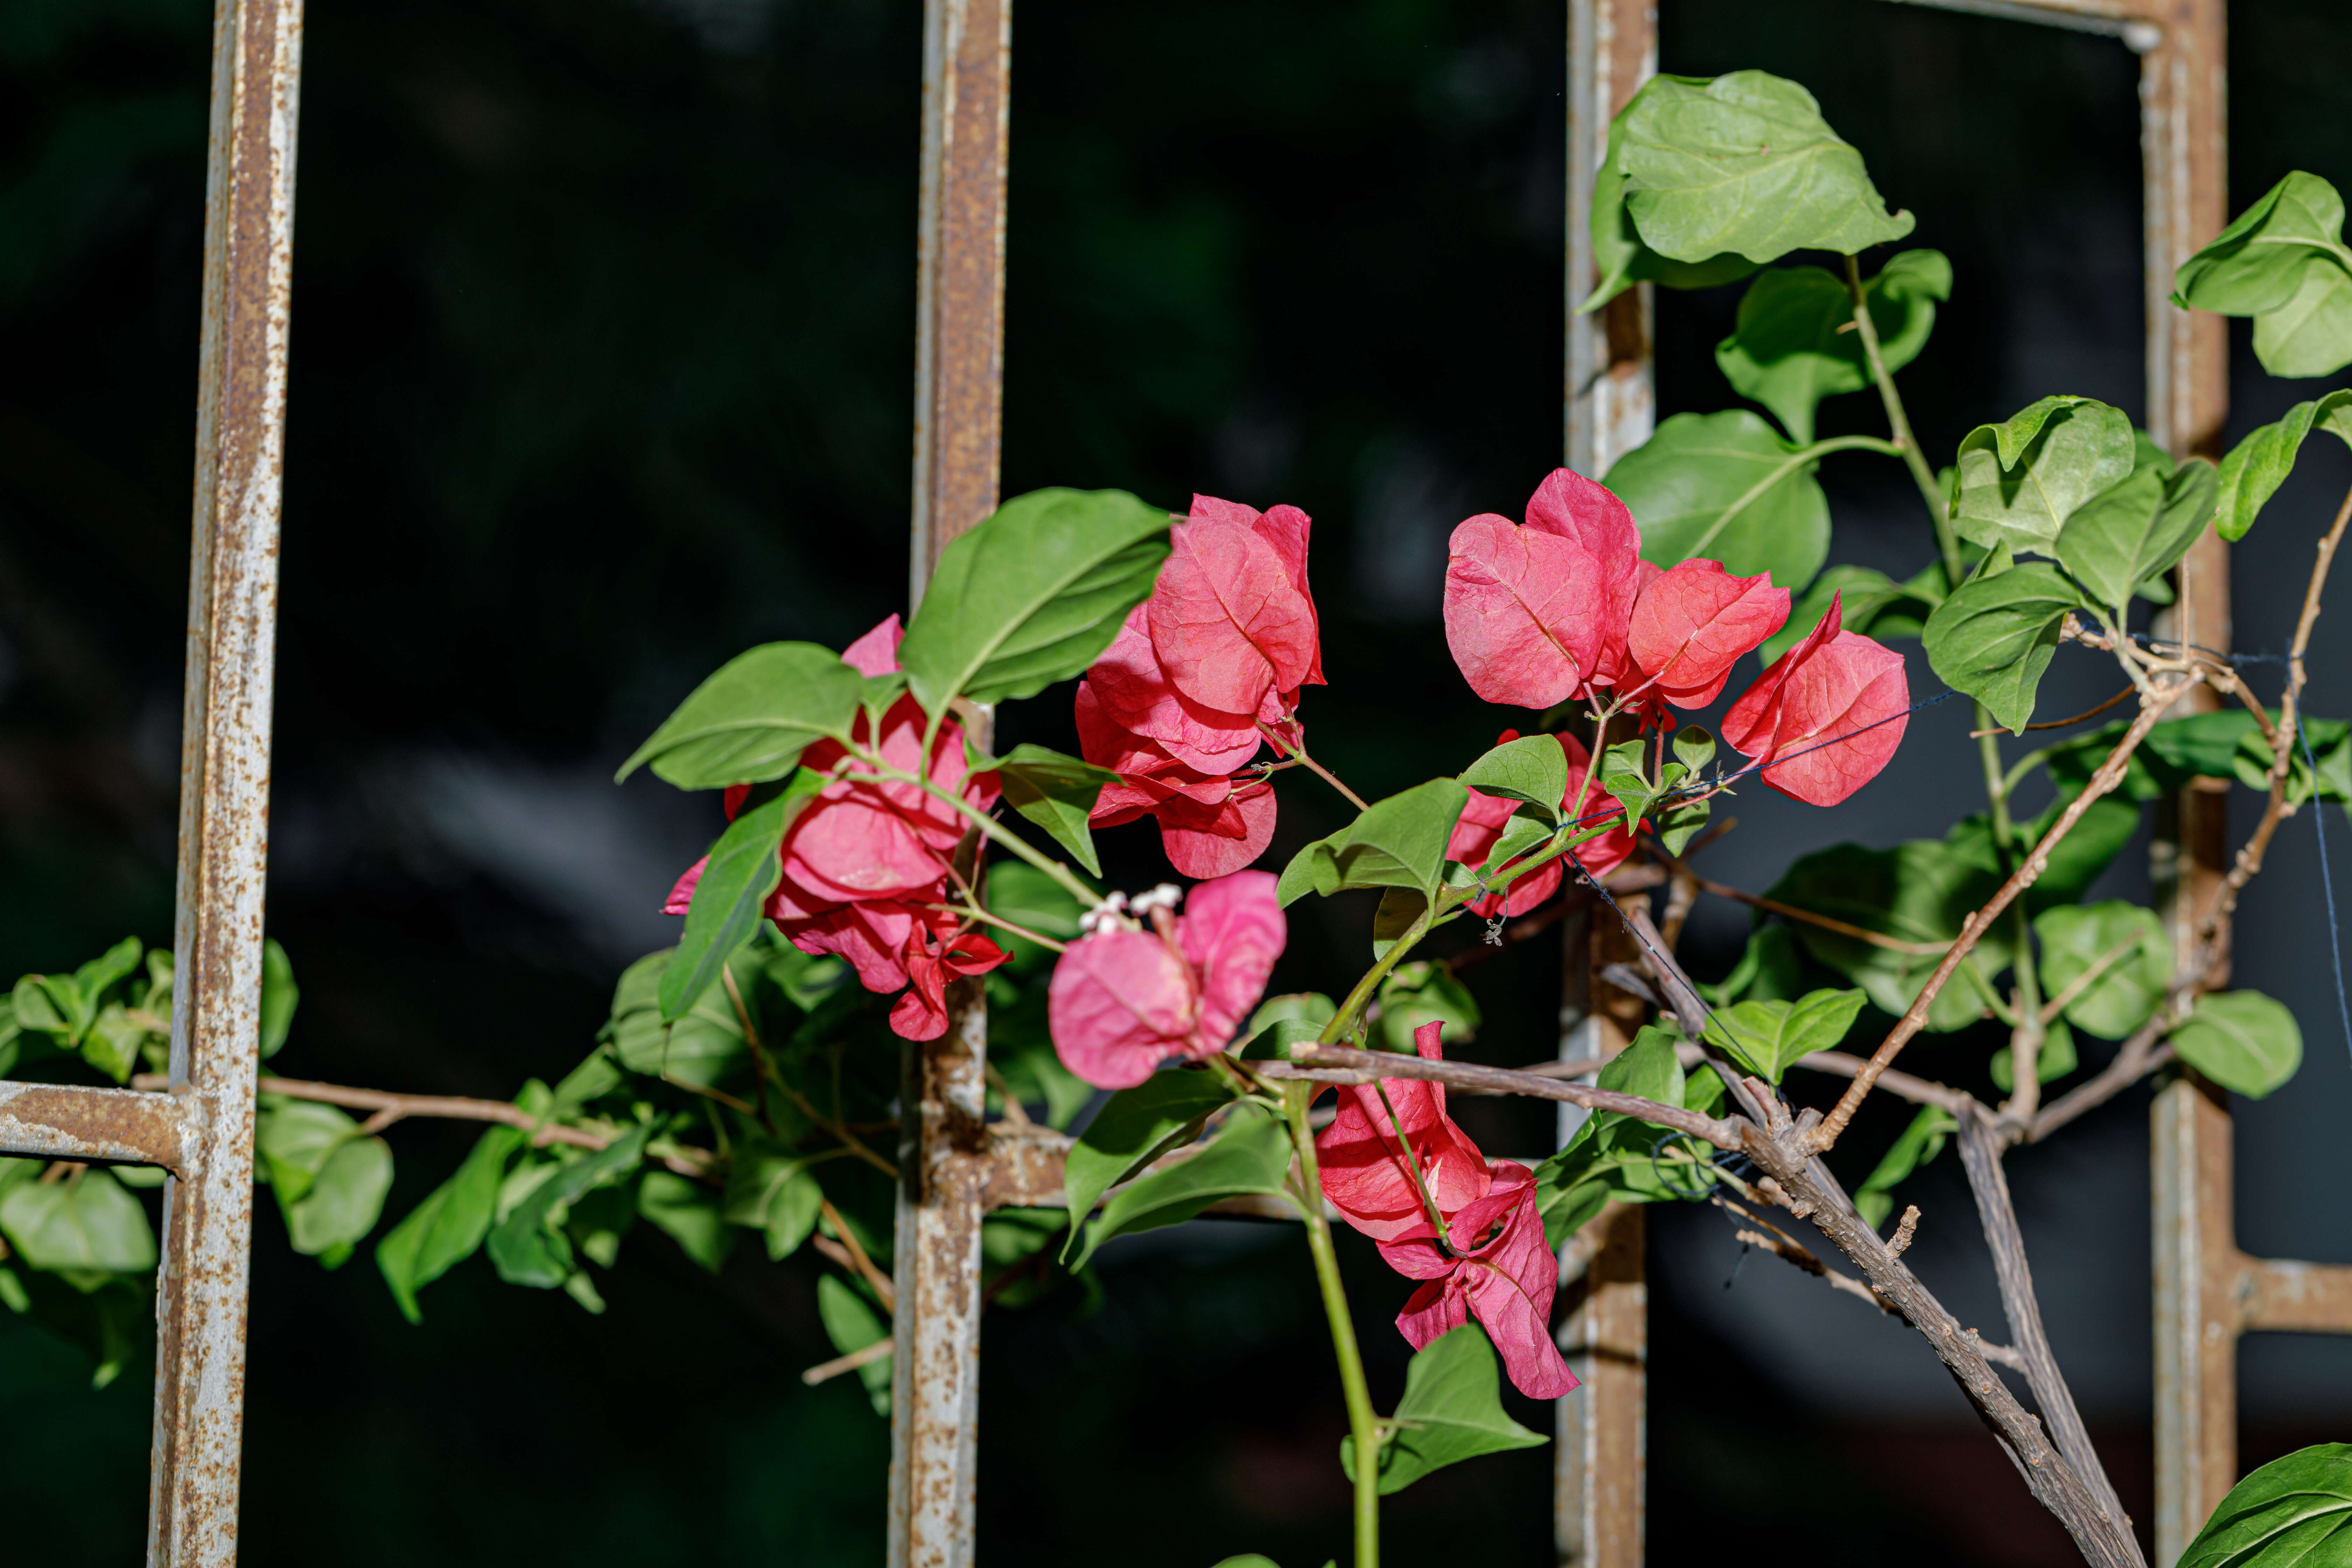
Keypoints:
pixel 1483 1256
pixel 1122 1001
pixel 1834 707
pixel 1691 625
pixel 1575 507
pixel 861 860
pixel 1483 820
pixel 1364 1153
pixel 1231 618
pixel 1496 1269
pixel 1131 717
pixel 1527 613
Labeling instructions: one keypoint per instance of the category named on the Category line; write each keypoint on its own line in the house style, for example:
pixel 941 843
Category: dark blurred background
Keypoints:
pixel 602 371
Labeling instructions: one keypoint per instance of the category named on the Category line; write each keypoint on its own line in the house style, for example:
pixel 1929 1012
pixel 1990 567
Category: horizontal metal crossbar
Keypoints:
pixel 74 1121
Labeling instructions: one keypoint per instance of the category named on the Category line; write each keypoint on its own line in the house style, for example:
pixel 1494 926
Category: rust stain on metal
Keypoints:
pixel 960 272
pixel 944 1160
pixel 69 1122
pixel 225 782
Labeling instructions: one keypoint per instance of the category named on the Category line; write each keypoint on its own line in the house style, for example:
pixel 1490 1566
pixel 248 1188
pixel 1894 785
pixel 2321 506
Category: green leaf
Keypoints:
pixel 344 1201
pixel 2283 262
pixel 771 1189
pixel 1618 251
pixel 85 1221
pixel 1532 769
pixel 2258 465
pixel 2252 761
pixel 1921 1142
pixel 744 867
pixel 1308 1007
pixel 1056 793
pixel 1616 1156
pixel 293 1140
pixel 689 1213
pixel 1766 1038
pixel 1795 342
pixel 526 1248
pixel 751 722
pixel 1019 892
pixel 52 1004
pixel 1452 1410
pixel 2124 993
pixel 1694 747
pixel 1863 594
pixel 112 1041
pixel 2242 1040
pixel 1624 773
pixel 2132 532
pixel 1031 596
pixel 1249 1154
pixel 1398 842
pixel 279 997
pixel 851 1325
pixel 1425 993
pixel 2295 1513
pixel 1746 164
pixel 445 1228
pixel 701 1048
pixel 1995 637
pixel 2054 1060
pixel 1135 1126
pixel 1919 891
pixel 1400 907
pixel 1725 487
pixel 1771 969
pixel 2021 479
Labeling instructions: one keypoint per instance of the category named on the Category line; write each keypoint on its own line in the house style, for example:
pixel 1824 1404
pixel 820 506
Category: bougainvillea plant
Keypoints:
pixel 882 875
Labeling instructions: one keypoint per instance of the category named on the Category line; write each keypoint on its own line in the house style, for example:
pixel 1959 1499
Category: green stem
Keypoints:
pixel 1299 753
pixel 988 825
pixel 1794 459
pixel 1363 1422
pixel 1900 424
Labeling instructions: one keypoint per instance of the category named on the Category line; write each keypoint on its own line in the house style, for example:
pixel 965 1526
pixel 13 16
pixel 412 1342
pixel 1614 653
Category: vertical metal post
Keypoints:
pixel 1610 397
pixel 2184 145
pixel 1599 1463
pixel 943 1160
pixel 200 1303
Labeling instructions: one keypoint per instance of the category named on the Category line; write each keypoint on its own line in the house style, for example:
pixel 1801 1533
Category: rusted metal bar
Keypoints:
pixel 73 1121
pixel 1611 408
pixel 1610 403
pixel 200 1299
pixel 943 1153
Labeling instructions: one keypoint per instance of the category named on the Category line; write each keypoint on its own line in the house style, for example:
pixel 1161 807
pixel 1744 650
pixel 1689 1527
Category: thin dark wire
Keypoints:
pixel 2327 884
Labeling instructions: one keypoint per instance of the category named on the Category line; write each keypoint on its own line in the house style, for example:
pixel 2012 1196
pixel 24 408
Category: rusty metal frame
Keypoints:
pixel 201 1133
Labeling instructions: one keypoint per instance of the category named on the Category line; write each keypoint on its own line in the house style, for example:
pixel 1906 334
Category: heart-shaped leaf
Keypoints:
pixel 2284 263
pixel 1452 1410
pixel 1995 637
pixel 2242 1040
pixel 1398 842
pixel 2258 465
pixel 1031 596
pixel 1746 164
pixel 2132 532
pixel 1796 343
pixel 1249 1155
pixel 1725 487
pixel 2295 1513
pixel 2020 481
pixel 1766 1038
pixel 1532 769
pixel 751 722
pixel 2124 992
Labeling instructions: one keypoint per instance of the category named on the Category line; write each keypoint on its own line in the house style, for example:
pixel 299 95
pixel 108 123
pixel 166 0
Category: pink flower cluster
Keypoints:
pixel 1404 1174
pixel 1564 608
pixel 866 862
pixel 1124 999
pixel 1206 668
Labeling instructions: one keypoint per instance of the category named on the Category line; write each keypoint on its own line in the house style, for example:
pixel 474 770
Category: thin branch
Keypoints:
pixel 2060 723
pixel 1502 1081
pixel 1298 751
pixel 1787 1248
pixel 443 1107
pixel 881 1282
pixel 2249 863
pixel 974 912
pixel 1980 1156
pixel 1900 1085
pixel 1791 911
pixel 850 1362
pixel 2134 1062
pixel 1784 1155
pixel 2110 775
